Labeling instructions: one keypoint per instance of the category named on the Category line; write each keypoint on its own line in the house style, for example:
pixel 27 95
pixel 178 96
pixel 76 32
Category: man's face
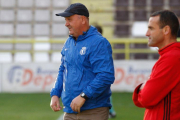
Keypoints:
pixel 155 33
pixel 73 23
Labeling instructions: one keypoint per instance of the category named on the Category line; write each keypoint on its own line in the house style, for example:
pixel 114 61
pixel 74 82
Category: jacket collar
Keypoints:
pixel 169 47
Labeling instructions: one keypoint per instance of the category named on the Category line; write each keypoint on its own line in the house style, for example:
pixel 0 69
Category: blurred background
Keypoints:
pixel 31 39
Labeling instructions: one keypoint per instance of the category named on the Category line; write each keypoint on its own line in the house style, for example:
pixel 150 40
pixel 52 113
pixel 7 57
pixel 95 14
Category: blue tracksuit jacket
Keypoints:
pixel 86 66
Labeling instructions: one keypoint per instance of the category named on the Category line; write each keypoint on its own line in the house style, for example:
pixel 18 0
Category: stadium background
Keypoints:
pixel 31 38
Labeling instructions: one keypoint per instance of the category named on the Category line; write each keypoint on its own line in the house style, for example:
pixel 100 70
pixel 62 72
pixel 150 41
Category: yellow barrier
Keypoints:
pixel 125 41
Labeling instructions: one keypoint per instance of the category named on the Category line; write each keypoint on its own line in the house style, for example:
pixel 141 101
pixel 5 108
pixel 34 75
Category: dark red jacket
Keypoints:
pixel 161 93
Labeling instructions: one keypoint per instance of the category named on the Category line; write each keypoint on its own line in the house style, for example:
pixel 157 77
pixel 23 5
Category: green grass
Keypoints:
pixel 36 107
pixel 125 108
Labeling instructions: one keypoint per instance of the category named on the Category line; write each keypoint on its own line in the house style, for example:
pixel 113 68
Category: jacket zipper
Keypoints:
pixel 75 41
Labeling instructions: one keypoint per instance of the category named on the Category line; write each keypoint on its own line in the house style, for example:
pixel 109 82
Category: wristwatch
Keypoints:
pixel 83 95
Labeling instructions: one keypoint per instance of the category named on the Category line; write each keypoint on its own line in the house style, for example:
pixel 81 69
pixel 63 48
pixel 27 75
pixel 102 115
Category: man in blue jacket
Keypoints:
pixel 86 71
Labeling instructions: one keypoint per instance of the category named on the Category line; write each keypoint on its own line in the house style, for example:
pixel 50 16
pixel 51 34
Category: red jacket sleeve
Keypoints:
pixel 135 96
pixel 163 79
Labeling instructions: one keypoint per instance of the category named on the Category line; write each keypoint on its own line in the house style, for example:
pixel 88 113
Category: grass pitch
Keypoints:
pixel 36 107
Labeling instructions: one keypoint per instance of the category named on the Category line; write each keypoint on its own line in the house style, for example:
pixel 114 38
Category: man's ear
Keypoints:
pixel 166 30
pixel 83 19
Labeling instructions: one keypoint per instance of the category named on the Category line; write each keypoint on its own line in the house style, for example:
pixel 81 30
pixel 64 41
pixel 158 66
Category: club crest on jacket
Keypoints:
pixel 83 51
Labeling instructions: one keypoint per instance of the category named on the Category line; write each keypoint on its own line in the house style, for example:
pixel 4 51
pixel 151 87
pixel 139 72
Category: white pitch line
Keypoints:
pixel 61 117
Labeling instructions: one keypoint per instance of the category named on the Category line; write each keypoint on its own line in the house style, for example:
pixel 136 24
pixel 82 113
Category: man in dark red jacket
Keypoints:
pixel 160 95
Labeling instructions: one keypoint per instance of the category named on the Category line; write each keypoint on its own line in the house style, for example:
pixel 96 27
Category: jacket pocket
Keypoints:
pixel 81 78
